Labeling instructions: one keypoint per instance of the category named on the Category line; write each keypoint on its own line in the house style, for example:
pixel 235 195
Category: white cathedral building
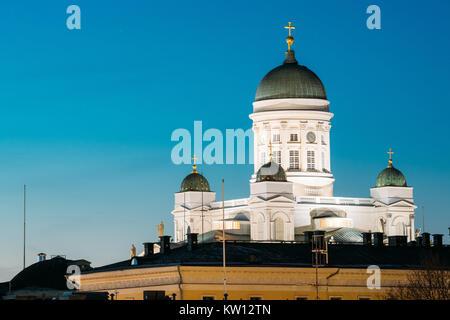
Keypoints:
pixel 291 189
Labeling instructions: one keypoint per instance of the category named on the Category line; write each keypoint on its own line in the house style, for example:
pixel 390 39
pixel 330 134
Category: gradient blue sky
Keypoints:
pixel 86 116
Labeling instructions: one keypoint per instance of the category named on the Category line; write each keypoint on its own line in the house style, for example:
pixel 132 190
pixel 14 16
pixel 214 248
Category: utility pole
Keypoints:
pixel 202 213
pixel 225 295
pixel 423 219
pixel 184 216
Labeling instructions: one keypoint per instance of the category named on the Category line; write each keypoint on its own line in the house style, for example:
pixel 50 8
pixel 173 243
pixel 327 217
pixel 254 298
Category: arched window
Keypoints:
pixel 323 160
pixel 400 229
pixel 279 229
pixel 260 226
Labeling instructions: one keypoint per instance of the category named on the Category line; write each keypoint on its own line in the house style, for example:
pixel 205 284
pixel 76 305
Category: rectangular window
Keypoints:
pixel 154 295
pixel 301 298
pixel 208 298
pixel 255 298
pixel 276 137
pixel 277 157
pixel 323 160
pixel 263 158
pixel 335 298
pixel 293 159
pixel 311 161
pixel 294 137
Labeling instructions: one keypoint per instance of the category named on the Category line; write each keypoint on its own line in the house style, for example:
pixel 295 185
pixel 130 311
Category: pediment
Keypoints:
pixel 276 198
pixel 199 209
pixel 399 203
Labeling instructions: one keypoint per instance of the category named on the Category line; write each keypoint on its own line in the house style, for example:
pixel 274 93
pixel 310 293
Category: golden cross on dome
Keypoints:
pixel 194 167
pixel 390 157
pixel 289 39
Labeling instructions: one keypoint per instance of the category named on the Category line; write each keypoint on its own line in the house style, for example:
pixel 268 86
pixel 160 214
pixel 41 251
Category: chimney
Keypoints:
pixel 367 238
pixel 378 239
pixel 419 241
pixel 148 248
pixel 191 241
pixel 42 257
pixel 165 244
pixel 397 241
pixel 425 239
pixel 437 240
pixel 308 236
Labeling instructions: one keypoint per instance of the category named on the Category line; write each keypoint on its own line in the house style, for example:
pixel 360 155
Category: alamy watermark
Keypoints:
pixel 374 20
pixel 228 148
pixel 74 20
pixel 73 277
pixel 374 281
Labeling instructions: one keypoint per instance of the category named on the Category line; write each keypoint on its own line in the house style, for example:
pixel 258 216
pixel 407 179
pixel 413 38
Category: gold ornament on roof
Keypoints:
pixel 194 166
pixel 290 38
pixel 160 229
pixel 390 158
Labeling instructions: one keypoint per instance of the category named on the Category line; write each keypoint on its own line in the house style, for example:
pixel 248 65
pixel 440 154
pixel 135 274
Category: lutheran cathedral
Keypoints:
pixel 291 188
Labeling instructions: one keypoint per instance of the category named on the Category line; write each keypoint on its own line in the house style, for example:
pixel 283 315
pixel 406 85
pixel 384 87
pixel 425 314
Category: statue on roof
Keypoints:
pixel 160 229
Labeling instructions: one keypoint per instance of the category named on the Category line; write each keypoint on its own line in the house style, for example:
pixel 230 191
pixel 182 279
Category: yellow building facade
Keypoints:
pixel 246 283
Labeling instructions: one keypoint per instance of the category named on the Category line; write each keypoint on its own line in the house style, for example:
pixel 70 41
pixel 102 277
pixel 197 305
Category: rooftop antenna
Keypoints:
pixel 24 221
pixel 225 295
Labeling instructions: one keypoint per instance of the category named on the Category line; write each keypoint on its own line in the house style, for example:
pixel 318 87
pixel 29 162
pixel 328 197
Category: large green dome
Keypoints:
pixel 391 177
pixel 290 80
pixel 194 182
pixel 271 171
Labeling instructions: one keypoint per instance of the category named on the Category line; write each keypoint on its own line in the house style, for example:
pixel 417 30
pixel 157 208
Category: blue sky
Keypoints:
pixel 86 115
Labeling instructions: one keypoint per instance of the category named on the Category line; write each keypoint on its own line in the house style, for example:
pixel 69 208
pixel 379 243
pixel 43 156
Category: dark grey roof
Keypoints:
pixel 346 235
pixel 271 171
pixel 195 182
pixel 48 274
pixel 286 254
pixel 391 177
pixel 290 80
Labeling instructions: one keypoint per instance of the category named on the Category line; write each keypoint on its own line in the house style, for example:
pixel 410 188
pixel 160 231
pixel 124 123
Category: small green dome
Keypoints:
pixel 391 177
pixel 290 80
pixel 195 182
pixel 271 171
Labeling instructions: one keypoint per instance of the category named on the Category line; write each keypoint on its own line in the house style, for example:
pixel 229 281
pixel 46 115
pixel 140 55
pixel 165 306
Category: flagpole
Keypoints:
pixel 223 242
pixel 24 222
